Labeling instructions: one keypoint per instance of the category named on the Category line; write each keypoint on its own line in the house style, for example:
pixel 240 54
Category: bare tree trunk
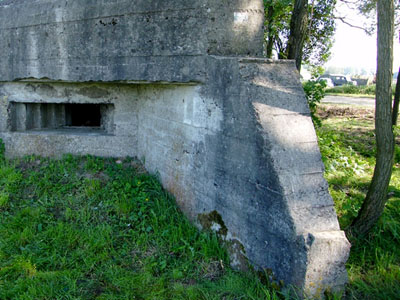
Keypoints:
pixel 375 201
pixel 396 101
pixel 298 31
pixel 270 20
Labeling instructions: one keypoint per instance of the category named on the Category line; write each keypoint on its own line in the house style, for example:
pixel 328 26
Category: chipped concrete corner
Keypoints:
pixel 179 83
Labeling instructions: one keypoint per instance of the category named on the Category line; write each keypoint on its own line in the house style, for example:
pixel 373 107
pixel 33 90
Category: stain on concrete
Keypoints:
pixel 47 90
pixel 237 255
pixel 93 92
pixel 213 221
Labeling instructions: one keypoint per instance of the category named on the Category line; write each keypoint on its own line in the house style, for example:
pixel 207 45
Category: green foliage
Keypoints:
pixel 315 92
pixel 320 31
pixel 347 146
pixel 93 228
pixel 277 24
pixel 316 71
pixel 352 89
pixel 355 90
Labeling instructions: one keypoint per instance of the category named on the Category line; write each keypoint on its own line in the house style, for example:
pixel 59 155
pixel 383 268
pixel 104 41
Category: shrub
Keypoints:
pixel 315 92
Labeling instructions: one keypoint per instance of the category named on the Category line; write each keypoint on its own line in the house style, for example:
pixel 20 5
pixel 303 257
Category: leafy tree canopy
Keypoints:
pixel 320 31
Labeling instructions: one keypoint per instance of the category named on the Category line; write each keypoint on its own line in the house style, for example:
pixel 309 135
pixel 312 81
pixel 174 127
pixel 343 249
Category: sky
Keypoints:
pixel 353 47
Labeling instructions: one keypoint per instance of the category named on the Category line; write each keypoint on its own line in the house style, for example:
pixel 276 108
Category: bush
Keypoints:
pixel 315 92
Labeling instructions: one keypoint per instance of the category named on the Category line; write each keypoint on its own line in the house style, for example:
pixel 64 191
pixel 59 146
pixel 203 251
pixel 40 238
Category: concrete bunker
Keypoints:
pixel 181 84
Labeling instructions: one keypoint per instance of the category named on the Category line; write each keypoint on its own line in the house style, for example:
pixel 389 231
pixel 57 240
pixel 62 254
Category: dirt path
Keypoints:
pixel 349 100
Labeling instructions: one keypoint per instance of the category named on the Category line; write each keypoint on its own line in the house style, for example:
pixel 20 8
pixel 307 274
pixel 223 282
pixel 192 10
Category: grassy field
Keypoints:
pixel 93 228
pixel 347 145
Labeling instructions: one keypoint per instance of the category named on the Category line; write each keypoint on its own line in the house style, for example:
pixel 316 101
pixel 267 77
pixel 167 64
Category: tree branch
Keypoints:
pixel 343 20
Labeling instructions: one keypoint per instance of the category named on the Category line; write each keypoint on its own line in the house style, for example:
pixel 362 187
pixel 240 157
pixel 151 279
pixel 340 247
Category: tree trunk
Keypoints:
pixel 396 101
pixel 375 201
pixel 270 34
pixel 298 31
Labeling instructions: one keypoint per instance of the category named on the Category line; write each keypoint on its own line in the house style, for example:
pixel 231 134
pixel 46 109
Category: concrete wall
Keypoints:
pixel 230 136
pixel 82 40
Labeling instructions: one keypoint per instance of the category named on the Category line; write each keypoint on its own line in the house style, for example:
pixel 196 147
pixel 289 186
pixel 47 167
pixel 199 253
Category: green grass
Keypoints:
pixel 348 147
pixel 93 228
pixel 355 90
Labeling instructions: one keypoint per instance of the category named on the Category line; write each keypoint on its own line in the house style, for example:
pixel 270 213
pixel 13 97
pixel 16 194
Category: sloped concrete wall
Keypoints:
pixel 230 136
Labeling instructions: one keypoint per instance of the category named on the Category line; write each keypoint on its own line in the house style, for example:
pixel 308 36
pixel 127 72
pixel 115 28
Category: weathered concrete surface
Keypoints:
pixel 231 137
pixel 85 40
